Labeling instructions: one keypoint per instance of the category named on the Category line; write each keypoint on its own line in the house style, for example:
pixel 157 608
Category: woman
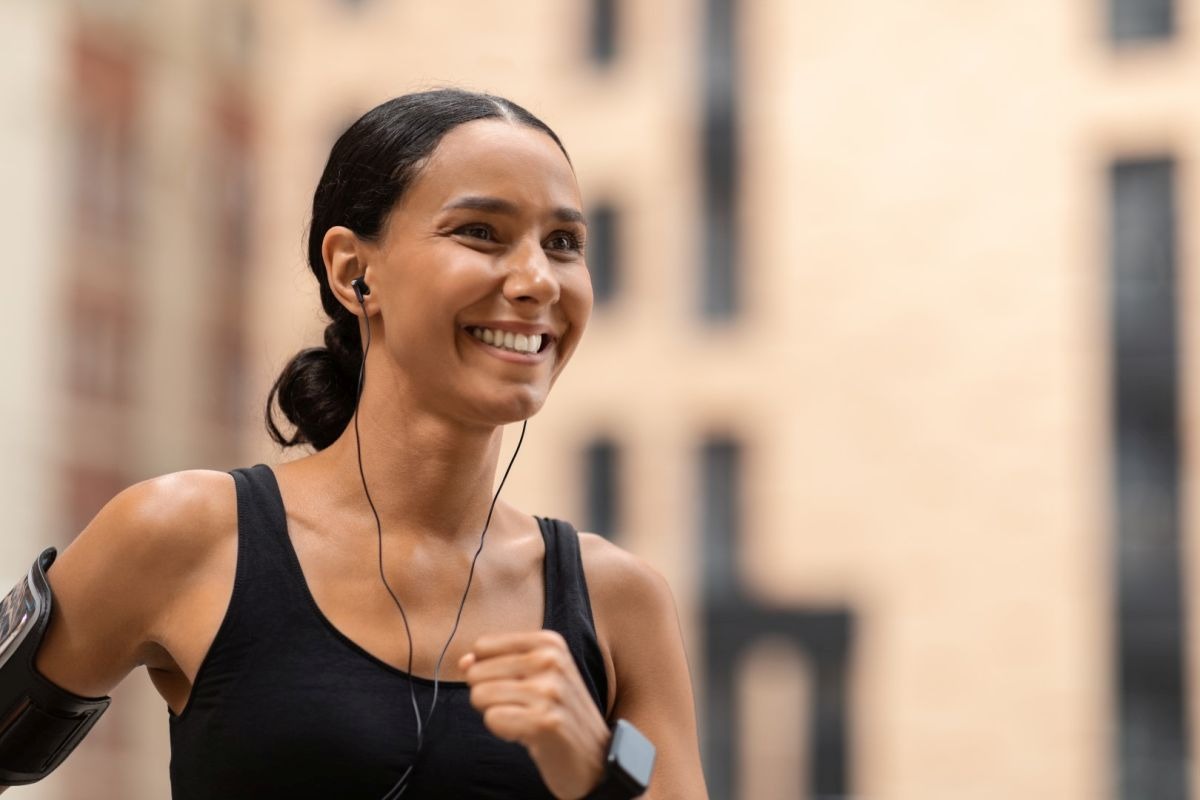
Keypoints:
pixel 280 611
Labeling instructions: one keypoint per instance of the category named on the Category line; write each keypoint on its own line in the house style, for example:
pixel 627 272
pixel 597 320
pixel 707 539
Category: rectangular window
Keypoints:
pixel 602 252
pixel 1150 627
pixel 602 28
pixel 718 285
pixel 1140 20
pixel 601 464
pixel 100 343
pixel 231 197
pixel 720 513
pixel 103 180
pixel 103 139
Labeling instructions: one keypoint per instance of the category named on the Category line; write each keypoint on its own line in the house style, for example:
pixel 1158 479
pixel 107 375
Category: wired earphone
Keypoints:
pixel 361 290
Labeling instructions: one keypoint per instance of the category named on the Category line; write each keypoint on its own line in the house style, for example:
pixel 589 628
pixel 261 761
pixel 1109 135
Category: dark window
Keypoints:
pixel 104 133
pixel 601 475
pixel 718 286
pixel 720 476
pixel 602 30
pixel 1152 739
pixel 1139 20
pixel 103 320
pixel 602 252
pixel 100 347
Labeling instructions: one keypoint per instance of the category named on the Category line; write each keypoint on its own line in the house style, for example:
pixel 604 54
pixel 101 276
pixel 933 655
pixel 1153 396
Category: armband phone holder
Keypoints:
pixel 40 723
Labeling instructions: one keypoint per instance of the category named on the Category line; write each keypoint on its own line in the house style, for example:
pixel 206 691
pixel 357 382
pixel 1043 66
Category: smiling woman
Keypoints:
pixel 334 626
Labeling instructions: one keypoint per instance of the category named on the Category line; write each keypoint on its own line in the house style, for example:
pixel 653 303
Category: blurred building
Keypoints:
pixel 890 370
pixel 128 142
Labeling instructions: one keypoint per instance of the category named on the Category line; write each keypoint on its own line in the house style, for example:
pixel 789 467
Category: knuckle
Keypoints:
pixel 551 723
pixel 551 690
pixel 546 660
pixel 554 639
pixel 492 718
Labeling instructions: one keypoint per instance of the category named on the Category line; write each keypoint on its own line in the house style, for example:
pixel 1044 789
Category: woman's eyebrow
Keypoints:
pixel 497 205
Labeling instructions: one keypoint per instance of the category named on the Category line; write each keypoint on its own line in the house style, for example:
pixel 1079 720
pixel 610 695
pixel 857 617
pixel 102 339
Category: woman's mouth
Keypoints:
pixel 525 344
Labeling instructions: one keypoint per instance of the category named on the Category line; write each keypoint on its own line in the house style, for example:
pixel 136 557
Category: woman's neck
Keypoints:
pixel 427 476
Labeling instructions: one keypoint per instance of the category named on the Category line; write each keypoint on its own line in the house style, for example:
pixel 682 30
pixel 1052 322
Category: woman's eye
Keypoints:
pixel 565 240
pixel 477 232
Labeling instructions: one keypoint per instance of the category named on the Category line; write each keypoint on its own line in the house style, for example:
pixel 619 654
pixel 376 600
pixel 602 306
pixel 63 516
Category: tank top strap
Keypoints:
pixel 568 607
pixel 268 574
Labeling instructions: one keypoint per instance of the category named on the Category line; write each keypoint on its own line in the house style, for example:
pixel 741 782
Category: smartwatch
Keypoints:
pixel 628 765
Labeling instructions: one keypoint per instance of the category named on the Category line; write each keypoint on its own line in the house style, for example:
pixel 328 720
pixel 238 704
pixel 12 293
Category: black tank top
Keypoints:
pixel 285 706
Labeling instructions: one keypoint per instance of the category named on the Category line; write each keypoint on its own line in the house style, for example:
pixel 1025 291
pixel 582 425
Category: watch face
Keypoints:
pixel 633 753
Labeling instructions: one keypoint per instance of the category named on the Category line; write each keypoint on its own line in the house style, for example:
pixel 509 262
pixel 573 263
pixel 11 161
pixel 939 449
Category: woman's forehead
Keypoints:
pixel 494 157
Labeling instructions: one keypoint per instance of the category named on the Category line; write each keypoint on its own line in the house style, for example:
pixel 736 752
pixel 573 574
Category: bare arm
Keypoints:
pixel 114 586
pixel 636 613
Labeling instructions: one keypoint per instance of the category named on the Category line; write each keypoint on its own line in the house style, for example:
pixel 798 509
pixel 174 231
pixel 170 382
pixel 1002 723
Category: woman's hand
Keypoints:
pixel 529 691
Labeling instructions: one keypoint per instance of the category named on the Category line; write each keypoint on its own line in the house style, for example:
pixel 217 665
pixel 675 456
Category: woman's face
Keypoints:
pixel 479 275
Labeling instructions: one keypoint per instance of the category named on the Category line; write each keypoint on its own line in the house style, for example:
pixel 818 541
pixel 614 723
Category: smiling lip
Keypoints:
pixel 515 327
pixel 527 328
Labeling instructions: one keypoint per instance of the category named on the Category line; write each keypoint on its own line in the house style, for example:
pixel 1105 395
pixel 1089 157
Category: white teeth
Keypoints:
pixel 519 342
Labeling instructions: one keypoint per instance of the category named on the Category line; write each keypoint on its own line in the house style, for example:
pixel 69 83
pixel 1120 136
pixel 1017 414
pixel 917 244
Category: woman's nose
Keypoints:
pixel 531 277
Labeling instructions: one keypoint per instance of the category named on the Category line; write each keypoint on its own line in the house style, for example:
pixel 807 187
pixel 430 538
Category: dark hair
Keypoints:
pixel 370 168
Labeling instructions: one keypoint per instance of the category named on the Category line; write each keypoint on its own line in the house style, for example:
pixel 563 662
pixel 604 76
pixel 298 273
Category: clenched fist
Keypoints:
pixel 529 690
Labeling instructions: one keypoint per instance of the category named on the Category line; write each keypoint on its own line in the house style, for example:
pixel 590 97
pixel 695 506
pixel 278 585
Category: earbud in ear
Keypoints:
pixel 360 289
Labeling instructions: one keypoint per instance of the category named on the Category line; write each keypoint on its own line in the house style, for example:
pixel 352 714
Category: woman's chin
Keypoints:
pixel 515 404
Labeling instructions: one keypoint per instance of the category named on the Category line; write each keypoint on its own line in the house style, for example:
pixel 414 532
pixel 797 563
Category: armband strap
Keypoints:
pixel 40 723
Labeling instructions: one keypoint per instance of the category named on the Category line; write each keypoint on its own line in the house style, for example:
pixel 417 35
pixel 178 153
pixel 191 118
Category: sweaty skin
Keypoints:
pixel 489 234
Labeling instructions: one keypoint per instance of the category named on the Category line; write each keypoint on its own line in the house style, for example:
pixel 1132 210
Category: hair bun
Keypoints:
pixel 344 343
pixel 316 392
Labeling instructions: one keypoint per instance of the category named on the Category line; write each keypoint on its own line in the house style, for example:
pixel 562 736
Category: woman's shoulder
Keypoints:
pixel 619 578
pixel 634 613
pixel 148 546
pixel 180 512
pixel 629 597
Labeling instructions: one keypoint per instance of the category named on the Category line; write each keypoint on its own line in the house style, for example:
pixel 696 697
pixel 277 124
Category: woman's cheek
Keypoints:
pixel 581 294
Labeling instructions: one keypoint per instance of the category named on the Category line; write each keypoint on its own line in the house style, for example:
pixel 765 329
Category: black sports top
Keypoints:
pixel 285 706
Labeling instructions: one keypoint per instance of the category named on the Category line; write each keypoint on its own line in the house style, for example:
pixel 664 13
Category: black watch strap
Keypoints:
pixel 628 765
pixel 608 790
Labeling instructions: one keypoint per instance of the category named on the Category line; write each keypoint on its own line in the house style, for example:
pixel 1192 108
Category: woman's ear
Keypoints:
pixel 345 257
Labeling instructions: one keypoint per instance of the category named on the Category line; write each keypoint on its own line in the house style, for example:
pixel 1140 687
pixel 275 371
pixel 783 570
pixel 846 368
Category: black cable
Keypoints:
pixel 401 785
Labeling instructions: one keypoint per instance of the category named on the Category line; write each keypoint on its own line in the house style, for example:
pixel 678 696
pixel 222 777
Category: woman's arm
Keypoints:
pixel 115 584
pixel 529 690
pixel 635 615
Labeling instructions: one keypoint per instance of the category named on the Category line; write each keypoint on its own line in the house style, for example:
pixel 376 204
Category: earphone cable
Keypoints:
pixel 401 785
pixel 471 573
pixel 379 526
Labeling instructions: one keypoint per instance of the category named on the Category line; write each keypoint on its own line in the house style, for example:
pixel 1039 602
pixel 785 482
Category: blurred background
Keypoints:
pixel 891 372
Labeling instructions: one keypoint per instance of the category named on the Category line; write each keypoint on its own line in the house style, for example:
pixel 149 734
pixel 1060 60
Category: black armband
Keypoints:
pixel 40 723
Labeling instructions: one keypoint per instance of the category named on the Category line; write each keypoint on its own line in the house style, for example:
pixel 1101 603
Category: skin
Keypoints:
pixel 147 583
